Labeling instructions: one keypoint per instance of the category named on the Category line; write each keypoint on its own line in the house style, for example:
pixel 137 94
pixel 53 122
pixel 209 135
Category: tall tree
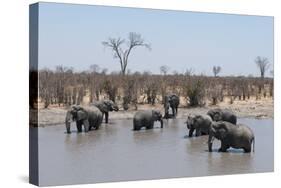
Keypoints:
pixel 263 65
pixel 216 70
pixel 164 69
pixel 115 44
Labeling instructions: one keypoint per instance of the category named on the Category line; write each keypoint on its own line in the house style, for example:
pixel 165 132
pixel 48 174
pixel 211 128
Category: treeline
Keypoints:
pixel 64 86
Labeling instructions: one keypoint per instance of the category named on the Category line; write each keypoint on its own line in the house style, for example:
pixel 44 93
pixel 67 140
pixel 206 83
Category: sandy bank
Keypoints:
pixel 249 108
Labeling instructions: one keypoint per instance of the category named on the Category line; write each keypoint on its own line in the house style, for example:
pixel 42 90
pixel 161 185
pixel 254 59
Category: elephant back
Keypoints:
pixel 229 116
pixel 94 114
pixel 93 110
pixel 145 114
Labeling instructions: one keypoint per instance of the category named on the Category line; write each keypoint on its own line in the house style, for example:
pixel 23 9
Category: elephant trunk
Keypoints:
pixel 86 125
pixel 210 142
pixel 68 121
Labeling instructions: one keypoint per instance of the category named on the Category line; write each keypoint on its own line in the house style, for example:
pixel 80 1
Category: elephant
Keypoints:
pixel 230 135
pixel 146 119
pixel 106 106
pixel 89 117
pixel 171 101
pixel 218 114
pixel 200 123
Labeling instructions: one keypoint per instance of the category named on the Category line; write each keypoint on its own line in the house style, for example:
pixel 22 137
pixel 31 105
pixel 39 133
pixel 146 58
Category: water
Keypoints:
pixel 116 153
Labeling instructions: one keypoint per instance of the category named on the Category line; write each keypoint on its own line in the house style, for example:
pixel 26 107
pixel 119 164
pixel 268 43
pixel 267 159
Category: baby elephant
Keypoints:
pixel 200 123
pixel 236 136
pixel 218 114
pixel 146 119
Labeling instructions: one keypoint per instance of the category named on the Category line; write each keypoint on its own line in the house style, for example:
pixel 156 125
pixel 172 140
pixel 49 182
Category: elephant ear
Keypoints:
pixel 108 105
pixel 156 114
pixel 210 113
pixel 222 131
pixel 82 115
pixel 101 106
pixel 105 106
pixel 198 119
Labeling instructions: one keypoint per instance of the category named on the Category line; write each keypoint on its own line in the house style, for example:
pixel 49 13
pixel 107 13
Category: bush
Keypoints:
pixel 195 92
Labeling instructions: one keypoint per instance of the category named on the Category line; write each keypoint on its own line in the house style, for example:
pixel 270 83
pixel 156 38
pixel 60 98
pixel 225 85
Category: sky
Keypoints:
pixel 72 35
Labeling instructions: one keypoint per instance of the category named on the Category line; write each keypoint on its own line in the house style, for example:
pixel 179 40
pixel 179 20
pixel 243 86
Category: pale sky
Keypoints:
pixel 72 35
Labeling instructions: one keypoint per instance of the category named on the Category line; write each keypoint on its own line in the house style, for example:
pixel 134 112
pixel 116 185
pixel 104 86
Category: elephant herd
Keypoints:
pixel 217 123
pixel 89 117
pixel 222 125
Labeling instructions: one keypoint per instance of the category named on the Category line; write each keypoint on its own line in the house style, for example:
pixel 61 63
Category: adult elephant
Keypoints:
pixel 200 123
pixel 89 117
pixel 106 106
pixel 230 135
pixel 146 119
pixel 218 114
pixel 171 101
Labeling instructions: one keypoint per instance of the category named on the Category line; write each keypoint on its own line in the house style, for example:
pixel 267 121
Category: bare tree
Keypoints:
pixel 115 44
pixel 164 69
pixel 263 65
pixel 104 71
pixel 216 70
pixel 188 72
pixel 94 68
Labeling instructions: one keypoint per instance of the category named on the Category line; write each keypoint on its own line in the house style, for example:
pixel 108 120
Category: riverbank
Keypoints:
pixel 248 108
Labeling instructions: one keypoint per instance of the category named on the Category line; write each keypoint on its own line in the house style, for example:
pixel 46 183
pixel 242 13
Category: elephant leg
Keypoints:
pixel 90 125
pixel 136 128
pixel 79 126
pixel 86 125
pixel 150 126
pixel 106 117
pixel 198 132
pixel 68 127
pixel 173 110
pixel 191 132
pixel 102 115
pixel 97 124
pixel 204 133
pixel 247 149
pixel 224 147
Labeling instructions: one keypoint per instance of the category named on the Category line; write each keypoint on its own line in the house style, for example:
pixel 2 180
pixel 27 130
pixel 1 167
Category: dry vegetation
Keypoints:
pixel 66 87
pixel 58 89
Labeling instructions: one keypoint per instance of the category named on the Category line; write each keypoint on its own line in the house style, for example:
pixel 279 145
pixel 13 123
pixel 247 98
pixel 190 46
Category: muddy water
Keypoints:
pixel 116 153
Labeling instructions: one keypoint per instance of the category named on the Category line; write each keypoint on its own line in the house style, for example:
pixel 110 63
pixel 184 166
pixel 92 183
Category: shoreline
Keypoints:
pixel 258 109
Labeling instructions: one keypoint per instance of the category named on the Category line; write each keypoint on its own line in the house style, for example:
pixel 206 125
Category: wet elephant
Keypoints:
pixel 171 101
pixel 218 114
pixel 199 123
pixel 230 135
pixel 89 117
pixel 146 119
pixel 106 106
